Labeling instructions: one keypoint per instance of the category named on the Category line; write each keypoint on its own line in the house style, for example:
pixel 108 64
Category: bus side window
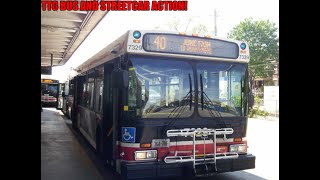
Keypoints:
pixel 90 91
pixel 82 88
pixel 99 89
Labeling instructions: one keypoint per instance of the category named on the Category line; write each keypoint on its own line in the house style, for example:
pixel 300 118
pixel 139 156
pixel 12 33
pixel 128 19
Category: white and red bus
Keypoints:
pixel 49 92
pixel 164 104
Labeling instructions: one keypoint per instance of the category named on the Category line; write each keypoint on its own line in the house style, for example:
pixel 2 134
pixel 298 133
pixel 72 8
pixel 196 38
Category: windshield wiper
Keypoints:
pixel 205 99
pixel 201 91
pixel 178 110
pixel 190 92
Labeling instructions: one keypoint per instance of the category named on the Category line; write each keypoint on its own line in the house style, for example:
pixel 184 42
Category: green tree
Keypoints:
pixel 263 44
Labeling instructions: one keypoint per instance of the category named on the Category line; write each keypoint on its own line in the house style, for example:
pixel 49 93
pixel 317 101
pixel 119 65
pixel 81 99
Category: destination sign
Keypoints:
pixel 181 44
pixel 49 81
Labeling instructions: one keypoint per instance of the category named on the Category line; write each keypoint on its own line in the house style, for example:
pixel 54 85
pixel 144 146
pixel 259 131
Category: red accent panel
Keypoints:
pixel 163 152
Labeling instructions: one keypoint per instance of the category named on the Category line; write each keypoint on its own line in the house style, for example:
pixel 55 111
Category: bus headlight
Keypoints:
pixel 238 148
pixel 145 155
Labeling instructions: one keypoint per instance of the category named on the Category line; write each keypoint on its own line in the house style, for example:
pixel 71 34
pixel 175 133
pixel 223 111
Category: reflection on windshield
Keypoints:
pixel 158 87
pixel 222 84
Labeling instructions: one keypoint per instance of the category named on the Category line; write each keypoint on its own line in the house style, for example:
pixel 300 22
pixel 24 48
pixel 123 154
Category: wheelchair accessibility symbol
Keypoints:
pixel 128 134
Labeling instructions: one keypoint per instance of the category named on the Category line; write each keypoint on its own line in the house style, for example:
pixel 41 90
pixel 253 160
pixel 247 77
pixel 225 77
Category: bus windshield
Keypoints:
pixel 49 89
pixel 160 88
pixel 222 85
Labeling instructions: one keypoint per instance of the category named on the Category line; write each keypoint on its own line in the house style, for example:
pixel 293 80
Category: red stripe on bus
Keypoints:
pixel 128 152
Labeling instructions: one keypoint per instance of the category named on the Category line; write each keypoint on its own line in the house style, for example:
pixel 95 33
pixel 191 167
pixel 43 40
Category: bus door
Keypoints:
pixel 109 117
pixel 65 95
pixel 71 98
pixel 78 91
pixel 60 98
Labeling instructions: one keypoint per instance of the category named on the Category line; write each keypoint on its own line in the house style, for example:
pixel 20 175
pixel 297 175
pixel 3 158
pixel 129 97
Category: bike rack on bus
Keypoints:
pixel 204 158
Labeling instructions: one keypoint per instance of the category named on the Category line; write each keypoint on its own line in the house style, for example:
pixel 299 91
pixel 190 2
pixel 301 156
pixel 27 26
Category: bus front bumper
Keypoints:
pixel 166 170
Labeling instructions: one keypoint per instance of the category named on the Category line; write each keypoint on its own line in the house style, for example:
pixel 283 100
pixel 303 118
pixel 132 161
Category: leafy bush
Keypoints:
pixel 256 109
pixel 252 112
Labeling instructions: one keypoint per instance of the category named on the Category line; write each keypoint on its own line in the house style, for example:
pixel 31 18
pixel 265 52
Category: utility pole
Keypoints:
pixel 215 22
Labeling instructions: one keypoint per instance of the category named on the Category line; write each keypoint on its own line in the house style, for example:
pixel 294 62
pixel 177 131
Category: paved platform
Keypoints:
pixel 62 157
pixel 67 156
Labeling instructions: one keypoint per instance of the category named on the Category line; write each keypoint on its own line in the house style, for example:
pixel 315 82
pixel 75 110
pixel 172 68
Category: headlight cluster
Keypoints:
pixel 238 148
pixel 145 155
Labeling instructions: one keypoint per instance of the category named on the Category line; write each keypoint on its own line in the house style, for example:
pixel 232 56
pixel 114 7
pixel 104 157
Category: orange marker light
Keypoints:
pixel 237 139
pixel 147 145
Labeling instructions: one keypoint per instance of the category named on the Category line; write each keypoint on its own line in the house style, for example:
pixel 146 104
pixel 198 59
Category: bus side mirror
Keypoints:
pixel 119 79
pixel 251 100
pixel 63 94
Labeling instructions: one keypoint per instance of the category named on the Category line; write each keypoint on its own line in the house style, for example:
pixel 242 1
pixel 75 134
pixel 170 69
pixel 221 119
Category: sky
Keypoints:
pixel 229 14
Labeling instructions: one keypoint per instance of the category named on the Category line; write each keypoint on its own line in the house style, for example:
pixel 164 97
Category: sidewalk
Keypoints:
pixel 62 157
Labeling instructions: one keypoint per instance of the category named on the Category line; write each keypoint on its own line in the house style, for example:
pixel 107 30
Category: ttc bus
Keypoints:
pixel 51 91
pixel 164 104
pixel 67 98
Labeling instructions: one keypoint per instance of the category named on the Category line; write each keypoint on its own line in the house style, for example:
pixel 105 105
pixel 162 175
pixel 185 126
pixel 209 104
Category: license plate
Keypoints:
pixel 159 143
